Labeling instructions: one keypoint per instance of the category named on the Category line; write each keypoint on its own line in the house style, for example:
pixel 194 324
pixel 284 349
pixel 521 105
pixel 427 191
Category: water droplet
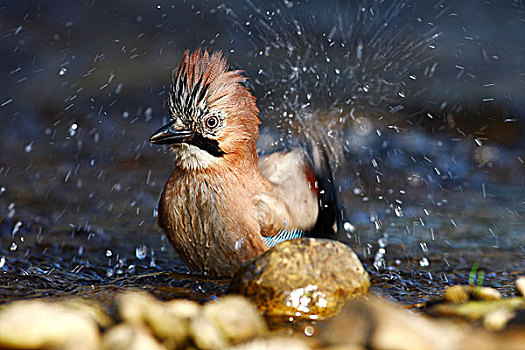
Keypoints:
pixel 362 126
pixel 349 227
pixel 148 114
pixel 16 228
pixel 141 251
pixel 2 189
pixel 73 129
pixel 238 243
pixel 309 331
pixel 2 262
pixel 11 210
pixel 152 262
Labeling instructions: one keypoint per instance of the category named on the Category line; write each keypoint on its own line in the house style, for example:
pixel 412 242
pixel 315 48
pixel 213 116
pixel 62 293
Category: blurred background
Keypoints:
pixel 424 101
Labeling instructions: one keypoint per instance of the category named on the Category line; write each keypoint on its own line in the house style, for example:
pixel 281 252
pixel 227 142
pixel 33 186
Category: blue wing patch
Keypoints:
pixel 283 235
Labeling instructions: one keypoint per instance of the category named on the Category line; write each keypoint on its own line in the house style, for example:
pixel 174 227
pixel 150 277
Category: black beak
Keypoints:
pixel 168 135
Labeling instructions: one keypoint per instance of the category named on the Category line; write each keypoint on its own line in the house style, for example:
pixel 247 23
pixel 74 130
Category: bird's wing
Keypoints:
pixel 283 235
pixel 292 204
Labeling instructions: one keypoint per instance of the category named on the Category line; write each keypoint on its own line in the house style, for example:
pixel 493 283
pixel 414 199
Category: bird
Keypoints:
pixel 223 204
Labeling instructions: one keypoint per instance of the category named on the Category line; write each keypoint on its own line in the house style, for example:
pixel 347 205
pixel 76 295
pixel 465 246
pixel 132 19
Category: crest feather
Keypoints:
pixel 203 82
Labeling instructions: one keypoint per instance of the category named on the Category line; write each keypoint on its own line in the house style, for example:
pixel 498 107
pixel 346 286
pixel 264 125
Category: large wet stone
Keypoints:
pixel 38 324
pixel 308 277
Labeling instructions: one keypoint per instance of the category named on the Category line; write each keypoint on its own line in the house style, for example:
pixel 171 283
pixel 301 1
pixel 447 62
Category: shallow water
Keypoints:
pixel 121 249
pixel 433 186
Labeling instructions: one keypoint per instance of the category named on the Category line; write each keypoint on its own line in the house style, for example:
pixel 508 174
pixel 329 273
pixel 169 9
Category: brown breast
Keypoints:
pixel 210 221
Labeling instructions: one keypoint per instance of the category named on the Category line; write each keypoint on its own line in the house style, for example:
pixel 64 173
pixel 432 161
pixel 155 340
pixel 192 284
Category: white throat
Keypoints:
pixel 192 157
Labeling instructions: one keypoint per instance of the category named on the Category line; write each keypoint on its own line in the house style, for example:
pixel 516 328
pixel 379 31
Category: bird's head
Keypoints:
pixel 213 116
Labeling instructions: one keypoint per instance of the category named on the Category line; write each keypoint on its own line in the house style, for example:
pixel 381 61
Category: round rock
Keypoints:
pixel 308 278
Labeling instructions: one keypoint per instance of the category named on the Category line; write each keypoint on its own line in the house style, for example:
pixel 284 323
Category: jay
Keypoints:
pixel 223 204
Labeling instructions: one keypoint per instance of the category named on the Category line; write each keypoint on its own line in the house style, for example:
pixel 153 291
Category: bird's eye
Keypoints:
pixel 211 122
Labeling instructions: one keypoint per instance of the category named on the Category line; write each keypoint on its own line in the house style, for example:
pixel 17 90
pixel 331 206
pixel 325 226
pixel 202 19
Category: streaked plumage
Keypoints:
pixel 221 205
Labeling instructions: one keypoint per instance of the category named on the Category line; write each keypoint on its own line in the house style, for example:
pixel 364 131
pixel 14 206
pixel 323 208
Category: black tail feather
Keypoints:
pixel 324 161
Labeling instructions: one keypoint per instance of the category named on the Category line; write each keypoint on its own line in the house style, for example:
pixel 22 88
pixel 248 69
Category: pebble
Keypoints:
pixel 456 294
pixel 205 334
pixel 40 324
pixel 475 310
pixel 236 317
pixel 307 278
pixel 169 322
pixel 462 294
pixel 496 320
pixel 277 343
pixel 89 308
pixel 178 323
pixel 375 324
pixel 126 336
pixel 520 285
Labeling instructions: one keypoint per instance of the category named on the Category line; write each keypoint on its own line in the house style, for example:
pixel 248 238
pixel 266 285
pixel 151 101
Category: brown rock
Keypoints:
pixel 305 277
